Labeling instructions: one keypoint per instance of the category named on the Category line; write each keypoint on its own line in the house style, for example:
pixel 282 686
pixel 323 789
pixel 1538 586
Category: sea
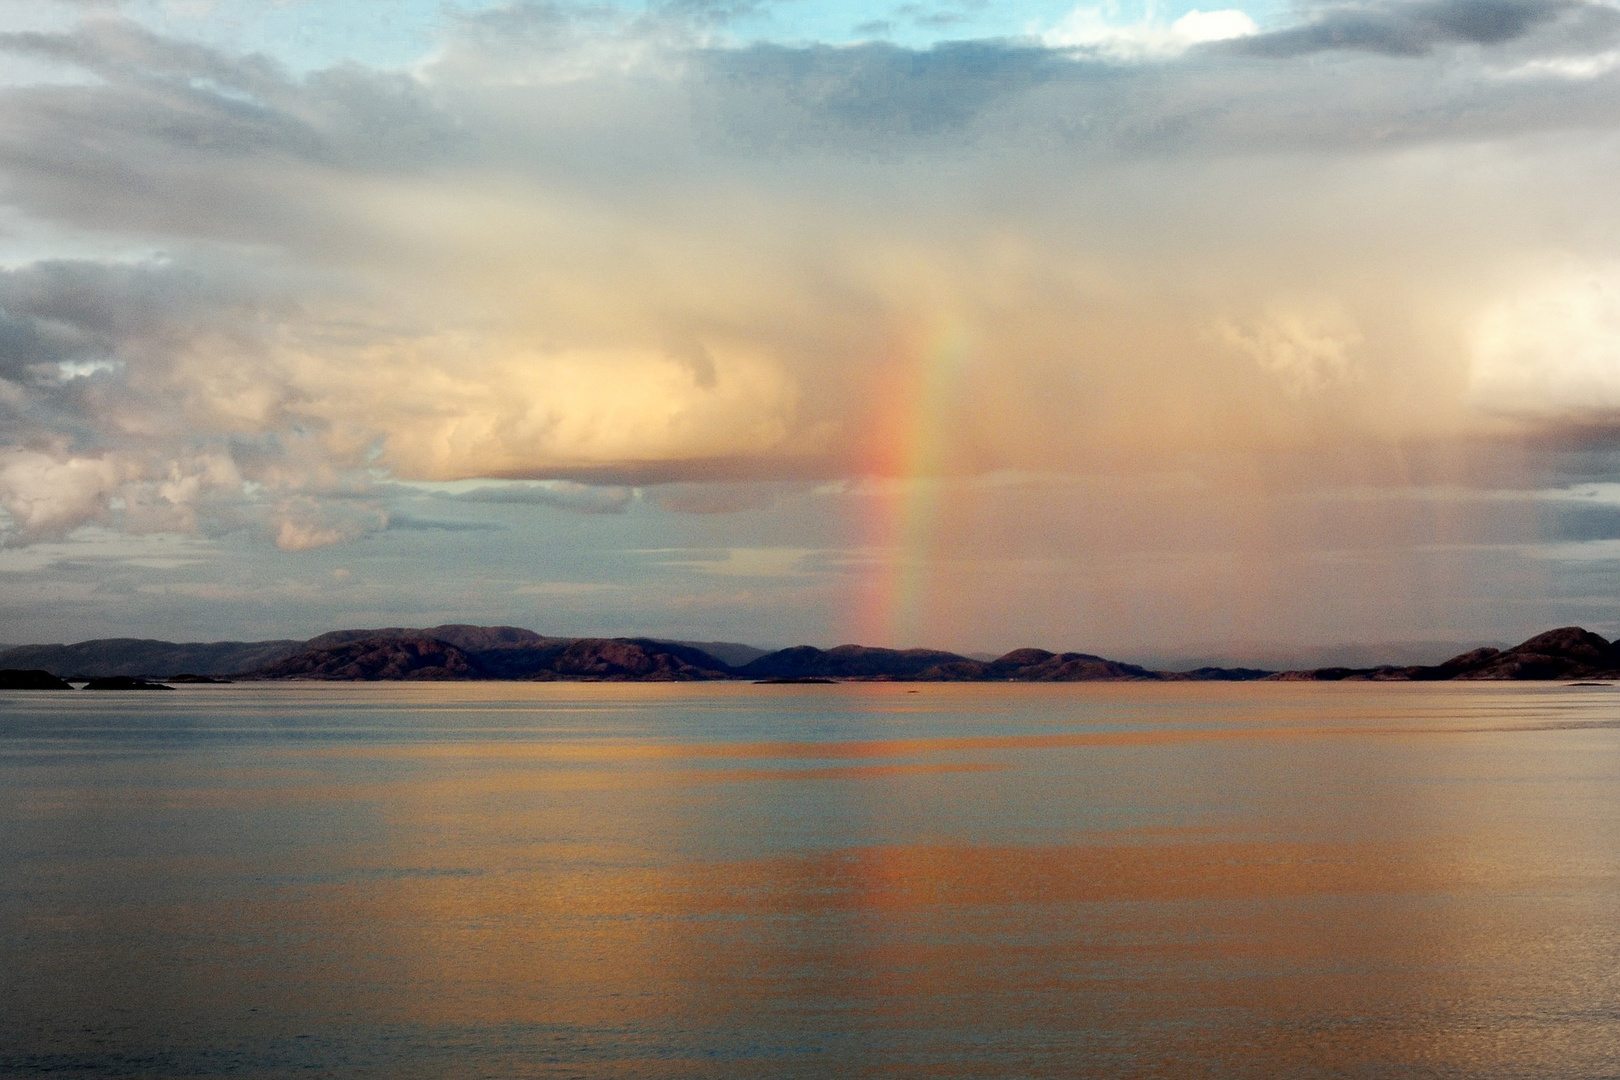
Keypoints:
pixel 1186 880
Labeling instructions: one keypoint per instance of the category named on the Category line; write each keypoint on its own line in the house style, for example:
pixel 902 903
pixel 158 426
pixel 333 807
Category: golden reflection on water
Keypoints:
pixel 1355 884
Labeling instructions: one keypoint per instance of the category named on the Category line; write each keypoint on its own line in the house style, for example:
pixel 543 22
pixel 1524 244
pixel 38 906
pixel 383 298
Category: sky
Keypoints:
pixel 1147 331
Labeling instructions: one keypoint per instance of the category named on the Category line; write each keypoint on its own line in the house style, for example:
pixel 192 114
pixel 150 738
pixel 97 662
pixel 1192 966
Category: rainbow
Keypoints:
pixel 919 412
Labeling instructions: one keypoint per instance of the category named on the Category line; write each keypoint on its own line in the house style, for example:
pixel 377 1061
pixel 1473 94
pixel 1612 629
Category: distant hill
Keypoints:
pixel 151 659
pixel 846 662
pixel 1274 657
pixel 732 652
pixel 930 665
pixel 465 651
pixel 635 658
pixel 381 656
pixel 1569 652
pixel 480 638
pixel 1038 665
pixel 461 635
pixel 415 655
pixel 145 658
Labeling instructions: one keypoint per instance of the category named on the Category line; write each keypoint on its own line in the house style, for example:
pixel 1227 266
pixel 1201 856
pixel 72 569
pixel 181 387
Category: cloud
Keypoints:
pixel 1551 348
pixel 1417 27
pixel 301 523
pixel 588 251
pixel 47 498
pixel 563 494
pixel 1094 30
pixel 96 546
pixel 1309 351
pixel 495 413
pixel 852 96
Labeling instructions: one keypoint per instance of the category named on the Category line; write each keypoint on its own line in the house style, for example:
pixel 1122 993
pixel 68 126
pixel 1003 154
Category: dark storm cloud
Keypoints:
pixel 1408 28
pixel 65 328
pixel 183 141
pixel 194 98
pixel 24 344
pixel 73 333
pixel 97 305
pixel 877 100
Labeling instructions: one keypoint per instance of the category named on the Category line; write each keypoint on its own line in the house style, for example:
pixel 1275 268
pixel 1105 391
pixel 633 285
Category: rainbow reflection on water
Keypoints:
pixel 856 880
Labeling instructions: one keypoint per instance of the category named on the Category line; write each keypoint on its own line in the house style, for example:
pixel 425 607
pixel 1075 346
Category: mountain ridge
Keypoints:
pixel 464 651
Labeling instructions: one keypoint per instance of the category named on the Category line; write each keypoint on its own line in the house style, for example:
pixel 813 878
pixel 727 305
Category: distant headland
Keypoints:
pixel 465 652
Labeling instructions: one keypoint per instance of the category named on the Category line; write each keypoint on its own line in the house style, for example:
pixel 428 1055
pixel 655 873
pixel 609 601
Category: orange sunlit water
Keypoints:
pixel 822 882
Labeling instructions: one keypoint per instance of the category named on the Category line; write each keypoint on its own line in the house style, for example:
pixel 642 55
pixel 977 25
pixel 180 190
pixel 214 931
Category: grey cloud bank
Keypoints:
pixel 1416 29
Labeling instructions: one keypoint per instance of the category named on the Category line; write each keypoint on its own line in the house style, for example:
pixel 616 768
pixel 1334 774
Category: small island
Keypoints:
pixel 124 682
pixel 31 679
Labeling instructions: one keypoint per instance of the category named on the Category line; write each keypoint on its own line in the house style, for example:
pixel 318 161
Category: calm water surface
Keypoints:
pixel 511 880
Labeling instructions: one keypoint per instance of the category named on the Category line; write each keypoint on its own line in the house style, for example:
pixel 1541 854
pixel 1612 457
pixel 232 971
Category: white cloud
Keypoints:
pixel 1552 347
pixel 1308 348
pixel 1568 67
pixel 304 524
pixel 47 496
pixel 1094 30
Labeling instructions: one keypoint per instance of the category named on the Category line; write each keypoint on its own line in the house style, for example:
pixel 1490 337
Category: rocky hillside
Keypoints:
pixel 406 656
pixel 415 655
pixel 1038 665
pixel 633 658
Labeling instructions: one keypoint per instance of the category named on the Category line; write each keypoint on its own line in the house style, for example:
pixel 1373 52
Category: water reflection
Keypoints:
pixel 668 882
